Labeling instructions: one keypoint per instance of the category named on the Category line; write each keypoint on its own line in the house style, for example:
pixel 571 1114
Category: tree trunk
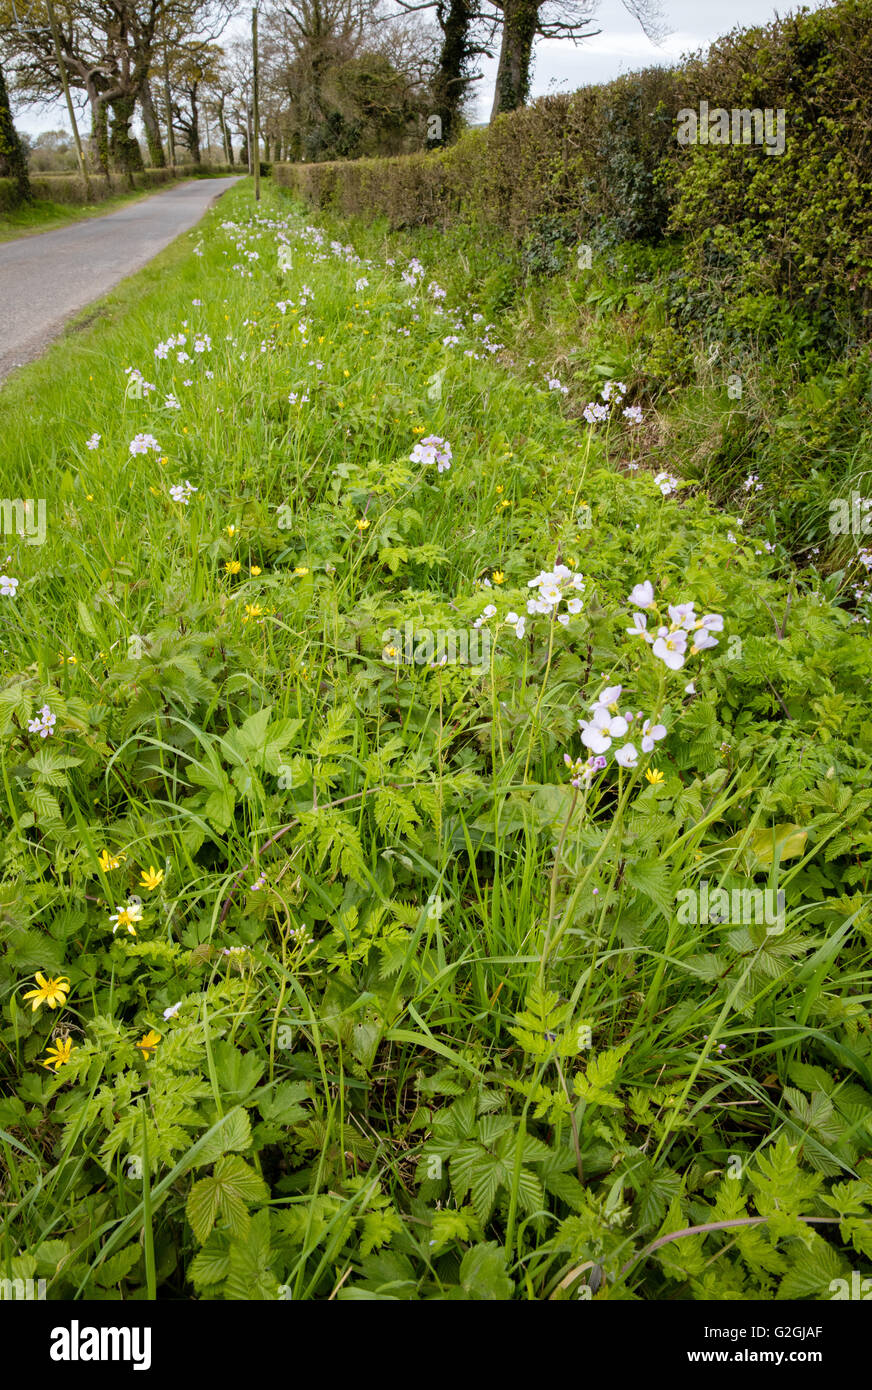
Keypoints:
pixel 225 136
pixel 520 18
pixel 124 149
pixel 100 133
pixel 152 129
pixel 450 82
pixel 13 164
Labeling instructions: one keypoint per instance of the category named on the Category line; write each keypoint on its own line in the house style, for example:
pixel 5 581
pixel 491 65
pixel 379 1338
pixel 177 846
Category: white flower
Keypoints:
pixel 651 734
pixel 141 443
pixel 172 1010
pixel 682 615
pixel 93 442
pixel 594 412
pixel 690 688
pixel 608 698
pixel 627 756
pixel 703 642
pixel 642 596
pixel 633 413
pixel 597 733
pixel 488 612
pixel 518 623
pixel 666 483
pixel 8 586
pixel 181 492
pixel 670 648
pixel 432 449
pixel 43 724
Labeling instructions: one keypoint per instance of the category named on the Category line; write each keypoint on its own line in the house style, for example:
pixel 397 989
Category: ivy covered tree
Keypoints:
pixel 13 163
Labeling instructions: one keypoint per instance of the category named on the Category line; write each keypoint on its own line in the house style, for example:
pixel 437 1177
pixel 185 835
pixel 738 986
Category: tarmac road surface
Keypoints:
pixel 47 278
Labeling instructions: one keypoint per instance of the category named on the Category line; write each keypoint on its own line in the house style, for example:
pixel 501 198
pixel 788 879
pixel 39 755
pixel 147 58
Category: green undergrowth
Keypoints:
pixel 361 990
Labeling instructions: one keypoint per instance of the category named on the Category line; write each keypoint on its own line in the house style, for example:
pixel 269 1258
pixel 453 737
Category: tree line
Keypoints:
pixel 337 78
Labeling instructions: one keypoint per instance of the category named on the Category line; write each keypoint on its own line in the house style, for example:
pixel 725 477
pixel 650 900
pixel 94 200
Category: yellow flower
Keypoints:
pixel 499 487
pixel 301 570
pixel 498 576
pixel 255 570
pixel 58 1054
pixel 231 530
pixel 151 877
pixel 654 776
pixel 346 372
pixel 51 992
pixel 504 503
pixel 232 566
pixel 363 524
pixel 252 610
pixel 148 1043
pixel 109 861
pixel 89 496
pixel 72 661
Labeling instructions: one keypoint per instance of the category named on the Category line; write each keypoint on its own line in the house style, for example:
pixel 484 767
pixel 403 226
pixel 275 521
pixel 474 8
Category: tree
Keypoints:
pixel 13 164
pixel 525 20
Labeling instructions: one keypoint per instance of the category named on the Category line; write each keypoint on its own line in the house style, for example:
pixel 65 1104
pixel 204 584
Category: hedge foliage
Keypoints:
pixel 69 188
pixel 606 162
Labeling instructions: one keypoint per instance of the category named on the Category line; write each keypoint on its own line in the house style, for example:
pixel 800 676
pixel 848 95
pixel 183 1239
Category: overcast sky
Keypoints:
pixel 560 66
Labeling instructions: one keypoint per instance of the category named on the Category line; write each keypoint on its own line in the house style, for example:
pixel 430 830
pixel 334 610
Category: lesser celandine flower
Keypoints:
pixel 654 776
pixel 109 861
pixel 151 878
pixel 148 1043
pixel 52 991
pixel 58 1054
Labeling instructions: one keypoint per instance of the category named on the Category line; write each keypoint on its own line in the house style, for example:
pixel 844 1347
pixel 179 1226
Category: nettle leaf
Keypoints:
pixel 248 742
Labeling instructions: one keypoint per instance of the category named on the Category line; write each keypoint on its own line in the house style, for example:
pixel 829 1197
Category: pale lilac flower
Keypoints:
pixel 627 756
pixel 8 586
pixel 43 724
pixel 651 734
pixel 141 443
pixel 642 596
pixel 93 442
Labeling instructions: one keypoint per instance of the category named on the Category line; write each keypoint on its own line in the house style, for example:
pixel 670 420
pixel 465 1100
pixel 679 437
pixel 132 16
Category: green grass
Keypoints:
pixel 445 1026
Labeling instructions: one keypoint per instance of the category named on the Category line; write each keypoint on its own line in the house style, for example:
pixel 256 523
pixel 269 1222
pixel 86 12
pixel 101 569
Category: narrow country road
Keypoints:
pixel 47 278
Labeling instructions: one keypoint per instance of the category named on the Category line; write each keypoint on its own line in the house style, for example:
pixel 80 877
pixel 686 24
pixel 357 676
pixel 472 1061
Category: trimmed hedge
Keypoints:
pixel 605 162
pixel 70 188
